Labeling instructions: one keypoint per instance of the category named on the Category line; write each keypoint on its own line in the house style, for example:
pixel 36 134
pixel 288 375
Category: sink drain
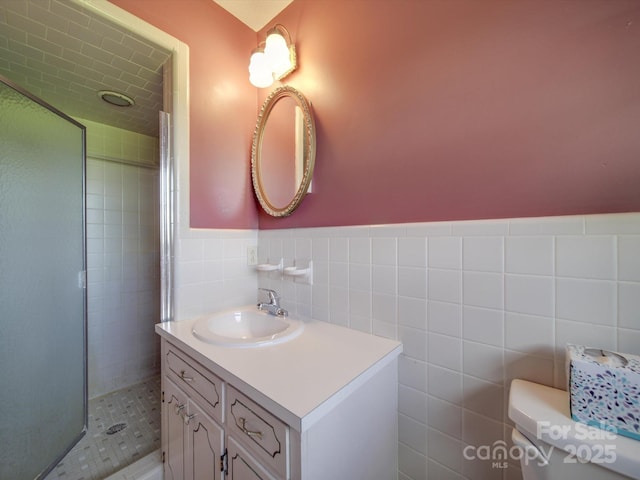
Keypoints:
pixel 116 428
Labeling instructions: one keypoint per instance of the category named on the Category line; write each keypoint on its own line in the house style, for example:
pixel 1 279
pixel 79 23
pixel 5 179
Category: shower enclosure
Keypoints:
pixel 43 377
pixel 124 273
pixel 79 295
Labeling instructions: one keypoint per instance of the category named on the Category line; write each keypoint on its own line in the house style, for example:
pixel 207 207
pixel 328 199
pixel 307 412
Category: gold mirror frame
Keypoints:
pixel 309 150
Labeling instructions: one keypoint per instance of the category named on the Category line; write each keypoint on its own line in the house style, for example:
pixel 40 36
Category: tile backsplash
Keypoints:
pixel 476 304
pixel 211 271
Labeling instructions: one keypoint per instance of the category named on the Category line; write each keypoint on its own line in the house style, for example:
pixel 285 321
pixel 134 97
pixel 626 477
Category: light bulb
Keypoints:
pixel 259 70
pixel 278 55
pixel 275 46
pixel 258 62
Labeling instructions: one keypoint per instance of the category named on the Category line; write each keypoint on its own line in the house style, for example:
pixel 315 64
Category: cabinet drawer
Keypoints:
pixel 199 383
pixel 262 433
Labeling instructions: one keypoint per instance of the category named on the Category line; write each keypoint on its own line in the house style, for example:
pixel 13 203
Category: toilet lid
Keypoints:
pixel 543 412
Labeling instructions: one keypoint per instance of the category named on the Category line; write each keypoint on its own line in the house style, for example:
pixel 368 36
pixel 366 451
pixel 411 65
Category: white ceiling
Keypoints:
pixel 254 13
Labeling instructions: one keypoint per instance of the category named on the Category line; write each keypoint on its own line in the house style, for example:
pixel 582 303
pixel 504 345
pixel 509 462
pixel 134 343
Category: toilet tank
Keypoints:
pixel 540 462
pixel 564 448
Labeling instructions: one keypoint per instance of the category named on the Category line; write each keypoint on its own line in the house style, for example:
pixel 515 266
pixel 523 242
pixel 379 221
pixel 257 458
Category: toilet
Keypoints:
pixel 553 446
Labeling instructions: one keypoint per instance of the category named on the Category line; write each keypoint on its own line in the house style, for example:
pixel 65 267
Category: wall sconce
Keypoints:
pixel 274 58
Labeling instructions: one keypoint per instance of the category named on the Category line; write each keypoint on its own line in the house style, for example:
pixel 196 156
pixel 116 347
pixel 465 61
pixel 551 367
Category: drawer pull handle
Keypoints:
pixel 187 418
pixel 179 408
pixel 185 377
pixel 248 432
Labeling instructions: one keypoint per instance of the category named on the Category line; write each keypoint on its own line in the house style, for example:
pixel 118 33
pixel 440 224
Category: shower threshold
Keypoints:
pixel 147 468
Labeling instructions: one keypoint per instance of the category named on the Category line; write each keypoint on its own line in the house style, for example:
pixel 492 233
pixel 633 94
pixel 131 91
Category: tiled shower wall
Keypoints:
pixel 475 304
pixel 122 259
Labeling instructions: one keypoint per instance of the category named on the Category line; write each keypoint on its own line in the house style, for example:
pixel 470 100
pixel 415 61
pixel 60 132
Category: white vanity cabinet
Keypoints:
pixel 194 443
pixel 322 406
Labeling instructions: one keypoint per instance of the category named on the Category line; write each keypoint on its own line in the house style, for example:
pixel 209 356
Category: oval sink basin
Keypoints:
pixel 246 328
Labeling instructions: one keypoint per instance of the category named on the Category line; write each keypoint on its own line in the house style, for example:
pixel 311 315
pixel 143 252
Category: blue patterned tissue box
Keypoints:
pixel 604 389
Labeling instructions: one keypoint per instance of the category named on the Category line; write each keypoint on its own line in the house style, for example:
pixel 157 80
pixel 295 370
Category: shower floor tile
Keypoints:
pixel 124 426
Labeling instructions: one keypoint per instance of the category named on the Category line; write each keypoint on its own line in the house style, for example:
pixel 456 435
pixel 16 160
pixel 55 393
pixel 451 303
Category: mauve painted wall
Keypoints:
pixel 465 109
pixel 222 106
pixel 426 110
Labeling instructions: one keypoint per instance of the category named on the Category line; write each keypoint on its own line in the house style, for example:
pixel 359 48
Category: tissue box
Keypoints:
pixel 604 389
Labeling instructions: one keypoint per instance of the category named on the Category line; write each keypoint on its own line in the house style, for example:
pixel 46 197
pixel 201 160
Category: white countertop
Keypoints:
pixel 299 380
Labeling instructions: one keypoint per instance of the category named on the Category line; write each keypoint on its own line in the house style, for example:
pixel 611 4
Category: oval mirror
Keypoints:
pixel 283 151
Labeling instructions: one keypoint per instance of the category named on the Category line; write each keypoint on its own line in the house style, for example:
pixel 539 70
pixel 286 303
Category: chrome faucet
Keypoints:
pixel 273 307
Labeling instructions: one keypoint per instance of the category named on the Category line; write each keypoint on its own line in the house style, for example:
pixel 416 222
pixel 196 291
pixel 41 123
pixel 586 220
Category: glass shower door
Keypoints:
pixel 43 394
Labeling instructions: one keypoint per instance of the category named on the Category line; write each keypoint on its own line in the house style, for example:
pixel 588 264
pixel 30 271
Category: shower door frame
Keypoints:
pixel 167 218
pixel 82 274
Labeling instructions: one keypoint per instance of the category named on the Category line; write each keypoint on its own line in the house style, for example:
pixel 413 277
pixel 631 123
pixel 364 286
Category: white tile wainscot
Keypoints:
pixel 476 303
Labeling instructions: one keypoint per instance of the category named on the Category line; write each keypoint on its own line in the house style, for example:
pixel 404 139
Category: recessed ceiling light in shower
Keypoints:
pixel 116 98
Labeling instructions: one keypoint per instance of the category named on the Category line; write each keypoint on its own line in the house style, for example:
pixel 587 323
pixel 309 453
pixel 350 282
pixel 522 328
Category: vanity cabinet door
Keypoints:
pixel 173 409
pixel 242 466
pixel 193 442
pixel 205 445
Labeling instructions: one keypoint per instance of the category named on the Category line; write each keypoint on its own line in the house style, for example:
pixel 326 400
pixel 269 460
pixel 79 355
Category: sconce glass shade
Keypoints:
pixel 260 73
pixel 261 80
